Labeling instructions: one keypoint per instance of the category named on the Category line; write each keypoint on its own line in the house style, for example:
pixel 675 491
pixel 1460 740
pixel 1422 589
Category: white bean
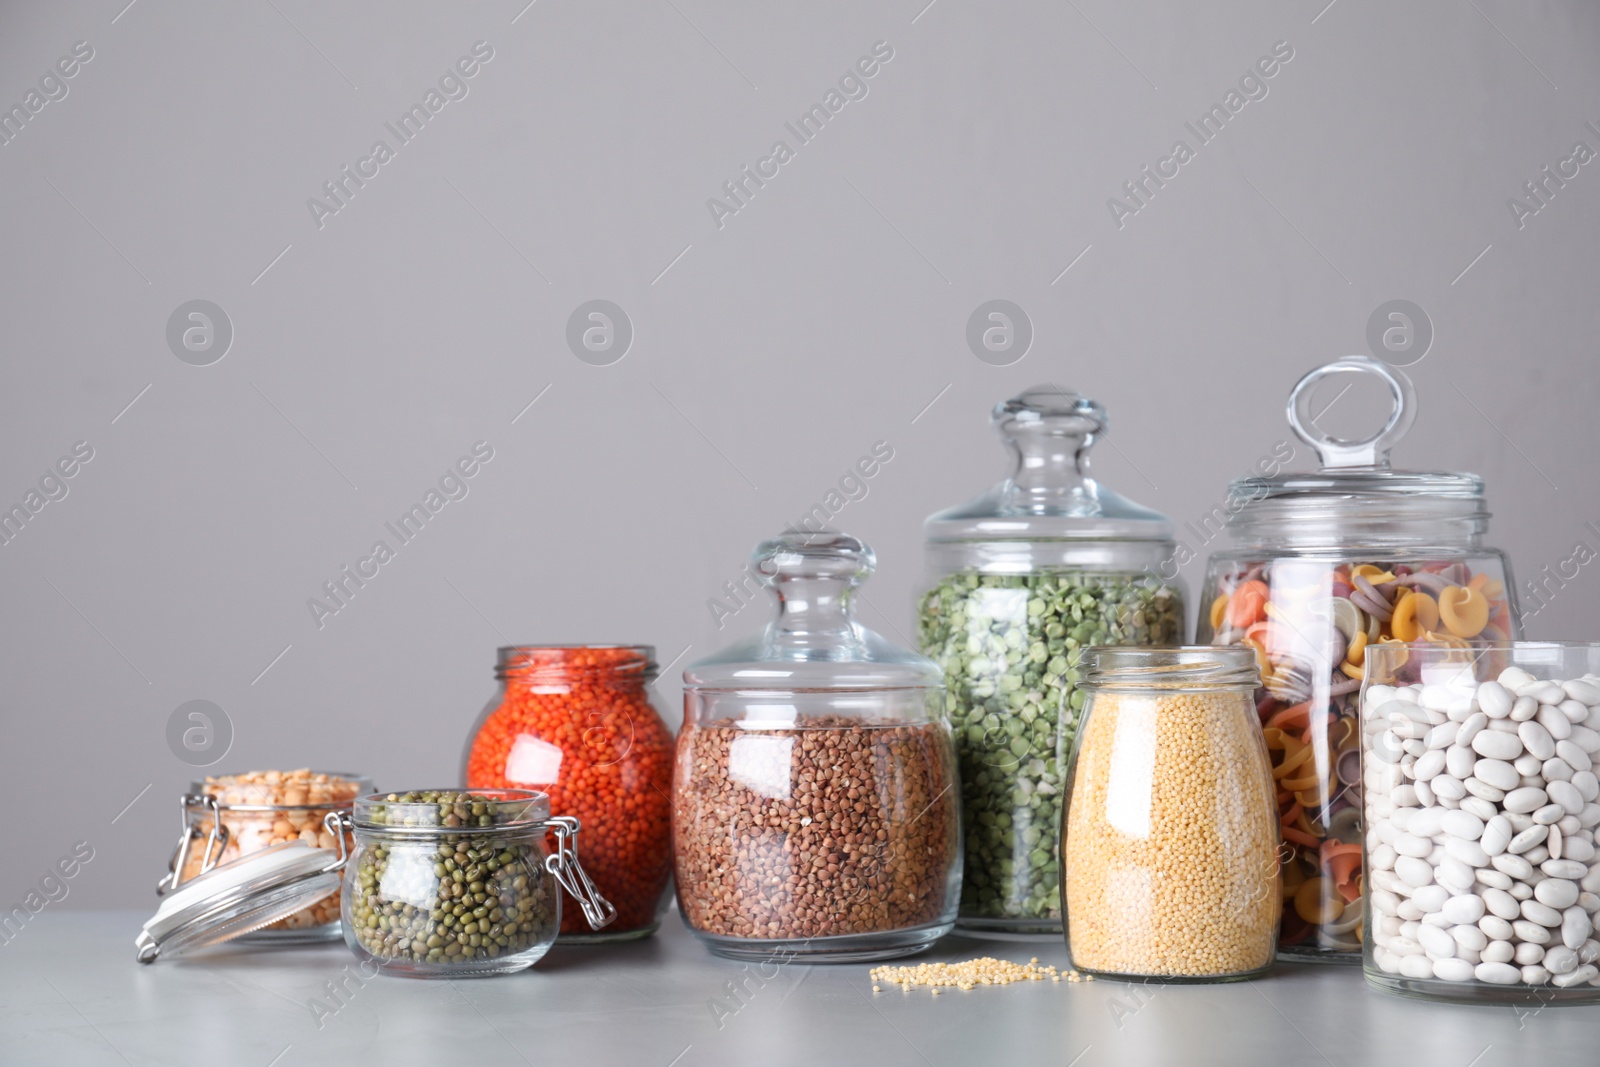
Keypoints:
pixel 1576 926
pixel 1587 784
pixel 1528 953
pixel 1464 910
pixel 1416 967
pixel 1527 839
pixel 1413 871
pixel 1566 794
pixel 1498 973
pixel 1580 690
pixel 1500 951
pixel 1497 773
pixel 1502 904
pixel 1537 740
pixel 1495 700
pixel 1515 866
pixel 1587 973
pixel 1436 942
pixel 1525 799
pixel 1462 824
pixel 1453 970
pixel 1560 960
pixel 1558 893
pixel 1560 720
pixel 1491 877
pixel 1484 790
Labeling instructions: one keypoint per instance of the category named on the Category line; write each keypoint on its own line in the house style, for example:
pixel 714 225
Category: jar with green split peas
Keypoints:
pixel 1325 567
pixel 1021 580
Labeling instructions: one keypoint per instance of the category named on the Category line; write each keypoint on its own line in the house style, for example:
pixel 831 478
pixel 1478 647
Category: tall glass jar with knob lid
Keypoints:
pixel 1022 579
pixel 815 809
pixel 1324 566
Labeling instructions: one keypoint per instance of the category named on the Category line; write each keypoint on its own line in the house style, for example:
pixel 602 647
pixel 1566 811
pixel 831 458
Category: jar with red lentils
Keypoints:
pixel 817 809
pixel 576 722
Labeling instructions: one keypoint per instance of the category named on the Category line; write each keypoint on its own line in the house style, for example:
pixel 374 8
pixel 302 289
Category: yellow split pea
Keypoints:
pixel 1171 842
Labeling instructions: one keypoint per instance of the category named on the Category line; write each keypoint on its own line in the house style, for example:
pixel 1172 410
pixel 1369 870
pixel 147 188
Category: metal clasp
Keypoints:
pixel 216 840
pixel 563 863
pixel 339 824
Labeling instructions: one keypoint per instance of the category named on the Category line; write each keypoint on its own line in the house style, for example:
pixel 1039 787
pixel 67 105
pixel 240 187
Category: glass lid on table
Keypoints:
pixel 244 895
pixel 1323 566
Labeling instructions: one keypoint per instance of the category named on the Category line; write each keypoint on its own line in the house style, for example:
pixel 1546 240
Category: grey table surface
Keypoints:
pixel 71 993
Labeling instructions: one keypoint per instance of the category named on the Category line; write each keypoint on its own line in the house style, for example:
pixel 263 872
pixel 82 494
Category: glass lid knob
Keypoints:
pixel 1050 430
pixel 1336 452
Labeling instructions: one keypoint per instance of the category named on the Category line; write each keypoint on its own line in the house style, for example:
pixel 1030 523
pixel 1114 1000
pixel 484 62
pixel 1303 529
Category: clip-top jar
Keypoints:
pixel 1021 580
pixel 815 791
pixel 227 817
pixel 1325 565
pixel 447 883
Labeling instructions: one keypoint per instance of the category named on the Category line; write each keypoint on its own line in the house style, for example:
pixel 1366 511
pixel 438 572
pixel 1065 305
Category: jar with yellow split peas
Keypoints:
pixel 1325 565
pixel 226 817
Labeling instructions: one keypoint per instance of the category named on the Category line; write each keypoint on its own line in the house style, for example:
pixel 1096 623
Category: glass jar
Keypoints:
pixel 1021 580
pixel 230 816
pixel 815 781
pixel 1170 837
pixel 1482 878
pixel 1326 567
pixel 576 722
pixel 448 883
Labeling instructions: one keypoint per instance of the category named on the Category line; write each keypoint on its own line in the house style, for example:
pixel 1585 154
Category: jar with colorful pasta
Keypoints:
pixel 1324 566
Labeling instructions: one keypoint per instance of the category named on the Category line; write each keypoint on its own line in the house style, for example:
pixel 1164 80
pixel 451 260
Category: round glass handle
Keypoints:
pixel 1338 451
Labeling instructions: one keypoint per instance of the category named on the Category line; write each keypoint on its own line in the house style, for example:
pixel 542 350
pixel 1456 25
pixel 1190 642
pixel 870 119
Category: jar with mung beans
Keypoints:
pixel 1326 567
pixel 1170 843
pixel 446 883
pixel 1021 580
pixel 815 798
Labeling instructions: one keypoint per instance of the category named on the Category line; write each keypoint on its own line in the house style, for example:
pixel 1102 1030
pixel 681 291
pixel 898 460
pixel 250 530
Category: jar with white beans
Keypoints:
pixel 1482 876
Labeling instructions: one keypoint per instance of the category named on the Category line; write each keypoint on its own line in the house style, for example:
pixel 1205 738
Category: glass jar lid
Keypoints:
pixel 815 641
pixel 1049 495
pixel 1357 496
pixel 235 898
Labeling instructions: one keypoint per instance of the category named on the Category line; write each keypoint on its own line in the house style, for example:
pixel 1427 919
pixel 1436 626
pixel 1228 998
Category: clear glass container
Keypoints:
pixel 815 787
pixel 1021 580
pixel 576 722
pixel 1482 879
pixel 448 883
pixel 227 817
pixel 1325 567
pixel 1171 835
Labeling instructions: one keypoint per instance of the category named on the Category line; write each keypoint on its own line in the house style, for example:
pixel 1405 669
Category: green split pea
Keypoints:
pixel 1009 646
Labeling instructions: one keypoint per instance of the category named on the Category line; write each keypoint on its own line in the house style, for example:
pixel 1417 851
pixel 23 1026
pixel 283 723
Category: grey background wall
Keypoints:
pixel 372 346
